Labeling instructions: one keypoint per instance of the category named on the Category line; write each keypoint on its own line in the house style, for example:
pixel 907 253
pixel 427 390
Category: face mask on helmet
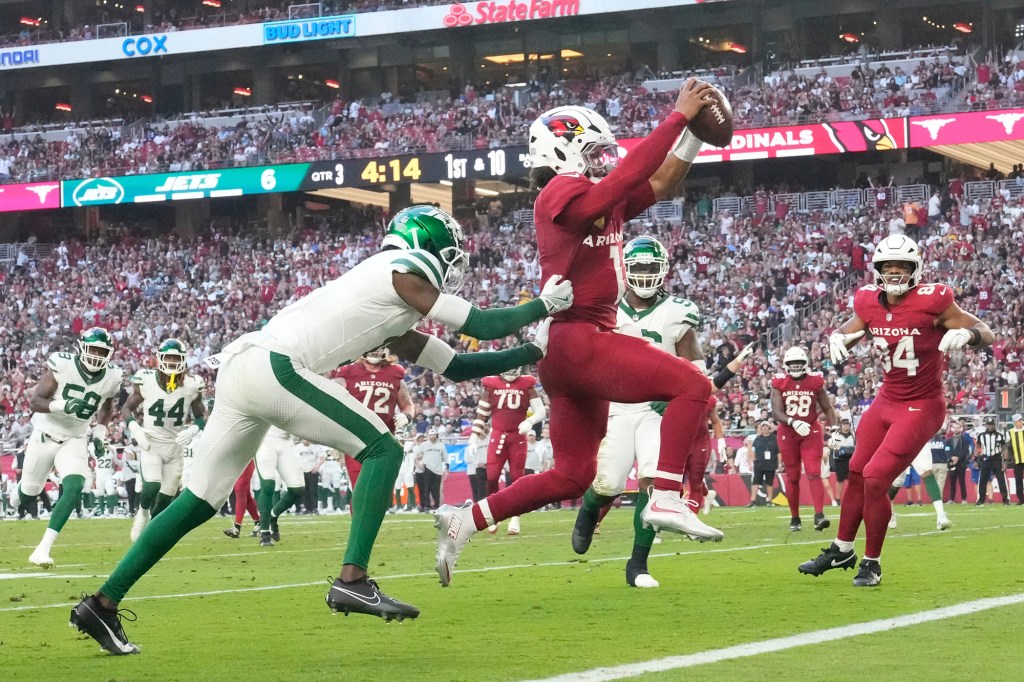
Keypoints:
pixel 376 357
pixel 573 140
pixel 95 348
pixel 796 363
pixel 646 266
pixel 512 374
pixel 170 359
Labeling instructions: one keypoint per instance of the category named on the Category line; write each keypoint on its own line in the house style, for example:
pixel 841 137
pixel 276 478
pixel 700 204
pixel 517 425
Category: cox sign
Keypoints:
pixel 144 46
pixel 98 191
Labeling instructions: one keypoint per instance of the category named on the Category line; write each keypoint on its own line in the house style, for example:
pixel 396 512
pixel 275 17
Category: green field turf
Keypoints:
pixel 519 608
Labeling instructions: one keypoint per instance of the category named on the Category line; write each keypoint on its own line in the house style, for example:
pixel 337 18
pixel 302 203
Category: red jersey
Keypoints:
pixel 799 396
pixel 908 338
pixel 377 389
pixel 590 255
pixel 509 401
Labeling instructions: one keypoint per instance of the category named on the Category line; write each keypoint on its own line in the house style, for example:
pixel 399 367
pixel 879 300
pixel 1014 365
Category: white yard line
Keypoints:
pixel 486 569
pixel 658 665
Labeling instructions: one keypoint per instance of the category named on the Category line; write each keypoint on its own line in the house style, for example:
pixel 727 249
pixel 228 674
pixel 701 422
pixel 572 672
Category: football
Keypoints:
pixel 714 122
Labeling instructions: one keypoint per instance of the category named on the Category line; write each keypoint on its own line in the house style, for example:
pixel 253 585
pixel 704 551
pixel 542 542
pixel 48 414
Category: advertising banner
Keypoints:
pixel 29 197
pixel 975 126
pixel 138 189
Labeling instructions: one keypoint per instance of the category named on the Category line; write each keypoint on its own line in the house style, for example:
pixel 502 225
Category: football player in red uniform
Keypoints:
pixel 911 325
pixel 797 395
pixel 380 384
pixel 506 400
pixel 579 215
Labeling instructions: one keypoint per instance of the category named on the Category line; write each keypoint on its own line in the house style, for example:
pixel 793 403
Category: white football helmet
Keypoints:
pixel 512 374
pixel 573 140
pixel 377 356
pixel 170 357
pixel 796 362
pixel 900 248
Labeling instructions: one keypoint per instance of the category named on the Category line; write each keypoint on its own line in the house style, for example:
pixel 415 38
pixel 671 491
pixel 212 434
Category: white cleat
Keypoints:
pixel 645 580
pixel 709 502
pixel 454 529
pixel 657 538
pixel 492 529
pixel 141 519
pixel 666 510
pixel 892 522
pixel 41 558
pixel 943 523
pixel 513 525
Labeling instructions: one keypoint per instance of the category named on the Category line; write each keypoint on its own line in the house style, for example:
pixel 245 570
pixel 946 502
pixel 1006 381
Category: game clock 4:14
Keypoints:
pixel 393 170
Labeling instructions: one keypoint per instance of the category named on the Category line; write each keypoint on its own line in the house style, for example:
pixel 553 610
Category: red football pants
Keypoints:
pixel 696 465
pixel 243 495
pixel 505 446
pixel 585 368
pixel 796 450
pixel 890 435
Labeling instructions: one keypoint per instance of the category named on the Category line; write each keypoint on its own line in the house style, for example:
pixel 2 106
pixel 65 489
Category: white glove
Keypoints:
pixel 721 449
pixel 186 435
pixel 954 339
pixel 747 351
pixel 556 295
pixel 835 440
pixel 540 338
pixel 139 434
pixel 401 421
pixel 525 427
pixel 474 441
pixel 837 345
pixel 802 428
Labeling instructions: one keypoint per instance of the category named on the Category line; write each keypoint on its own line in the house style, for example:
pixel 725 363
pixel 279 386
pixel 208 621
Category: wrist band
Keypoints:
pixel 975 337
pixel 687 147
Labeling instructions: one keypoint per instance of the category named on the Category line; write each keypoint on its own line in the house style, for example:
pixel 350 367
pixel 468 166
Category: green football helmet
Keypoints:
pixel 95 346
pixel 431 229
pixel 170 357
pixel 646 265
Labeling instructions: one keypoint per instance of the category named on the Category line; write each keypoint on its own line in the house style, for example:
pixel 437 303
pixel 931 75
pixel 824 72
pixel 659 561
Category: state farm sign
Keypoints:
pixel 500 11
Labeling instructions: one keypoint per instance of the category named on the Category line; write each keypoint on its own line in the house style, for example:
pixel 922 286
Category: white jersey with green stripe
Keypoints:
pixel 74 382
pixel 343 319
pixel 164 412
pixel 663 324
pixel 105 463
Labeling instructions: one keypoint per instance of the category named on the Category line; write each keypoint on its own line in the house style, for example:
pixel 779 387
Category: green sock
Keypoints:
pixel 265 502
pixel 186 513
pixel 148 497
pixel 593 502
pixel 111 502
pixel 88 500
pixel 67 503
pixel 288 498
pixel 932 486
pixel 642 536
pixel 371 498
pixel 162 501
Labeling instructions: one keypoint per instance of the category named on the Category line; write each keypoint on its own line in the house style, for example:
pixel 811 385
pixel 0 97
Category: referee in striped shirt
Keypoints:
pixel 1016 438
pixel 990 449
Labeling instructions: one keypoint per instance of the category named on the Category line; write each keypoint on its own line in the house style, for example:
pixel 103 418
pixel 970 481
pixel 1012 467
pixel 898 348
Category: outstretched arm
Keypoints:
pixel 434 354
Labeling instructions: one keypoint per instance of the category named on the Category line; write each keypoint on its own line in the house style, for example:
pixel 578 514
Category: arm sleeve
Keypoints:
pixel 628 179
pixel 539 412
pixel 472 365
pixel 496 323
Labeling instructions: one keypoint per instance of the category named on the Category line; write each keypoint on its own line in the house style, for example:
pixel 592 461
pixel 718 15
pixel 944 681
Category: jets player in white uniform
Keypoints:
pixel 634 431
pixel 273 378
pixel 74 389
pixel 106 484
pixel 166 395
pixel 277 460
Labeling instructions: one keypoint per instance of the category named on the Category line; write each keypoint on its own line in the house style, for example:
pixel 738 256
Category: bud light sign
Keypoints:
pixel 314 29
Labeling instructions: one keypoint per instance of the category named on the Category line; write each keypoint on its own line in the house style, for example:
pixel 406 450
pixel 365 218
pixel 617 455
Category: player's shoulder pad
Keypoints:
pixel 54 361
pixel 530 381
pixel 194 383
pixel 939 296
pixel 686 310
pixel 116 374
pixel 488 382
pixel 140 376
pixel 779 377
pixel 418 262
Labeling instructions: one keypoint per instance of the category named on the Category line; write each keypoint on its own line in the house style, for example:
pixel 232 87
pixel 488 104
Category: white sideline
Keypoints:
pixel 658 665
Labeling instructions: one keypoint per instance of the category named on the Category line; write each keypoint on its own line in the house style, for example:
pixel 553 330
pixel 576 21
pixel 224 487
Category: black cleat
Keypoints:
pixel 103 625
pixel 820 522
pixel 232 532
pixel 869 575
pixel 794 524
pixel 583 532
pixel 638 576
pixel 363 596
pixel 275 532
pixel 265 539
pixel 830 557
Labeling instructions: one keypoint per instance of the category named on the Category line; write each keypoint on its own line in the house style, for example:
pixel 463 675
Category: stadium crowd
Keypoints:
pixel 768 276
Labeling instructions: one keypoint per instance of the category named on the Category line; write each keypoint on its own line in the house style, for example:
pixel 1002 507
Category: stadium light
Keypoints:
pixel 60 106
pixel 147 99
pixel 212 3
pixel 962 27
pixel 849 37
pixel 29 21
pixel 243 92
pixel 332 84
pixel 737 48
